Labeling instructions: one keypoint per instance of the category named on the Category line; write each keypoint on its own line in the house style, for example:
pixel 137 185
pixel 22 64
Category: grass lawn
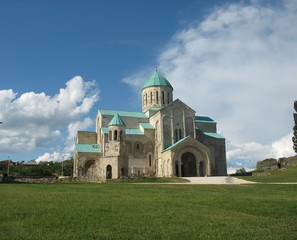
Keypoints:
pixel 288 174
pixel 147 211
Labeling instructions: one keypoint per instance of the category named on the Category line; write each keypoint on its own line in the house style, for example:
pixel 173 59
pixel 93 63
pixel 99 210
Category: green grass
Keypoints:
pixel 288 174
pixel 147 211
pixel 149 180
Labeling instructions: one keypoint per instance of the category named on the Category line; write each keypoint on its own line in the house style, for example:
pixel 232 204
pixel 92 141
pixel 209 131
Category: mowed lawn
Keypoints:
pixel 147 211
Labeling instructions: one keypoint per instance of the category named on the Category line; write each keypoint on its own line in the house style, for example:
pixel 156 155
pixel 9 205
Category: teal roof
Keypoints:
pixel 178 142
pixel 204 119
pixel 116 121
pixel 147 125
pixel 133 131
pixel 88 148
pixel 156 79
pixel 212 135
pixel 122 113
pixel 104 130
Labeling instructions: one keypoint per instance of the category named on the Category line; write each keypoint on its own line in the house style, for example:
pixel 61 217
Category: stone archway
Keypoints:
pixel 188 165
pixel 108 172
pixel 88 165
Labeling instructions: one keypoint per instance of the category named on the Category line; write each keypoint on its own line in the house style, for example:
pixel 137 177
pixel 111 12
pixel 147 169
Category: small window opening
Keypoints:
pixel 150 160
pixel 115 134
pixel 163 97
pixel 157 97
pixel 175 135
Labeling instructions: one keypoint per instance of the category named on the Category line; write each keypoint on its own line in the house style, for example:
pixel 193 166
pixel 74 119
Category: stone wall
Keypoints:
pixel 288 162
pixel 276 164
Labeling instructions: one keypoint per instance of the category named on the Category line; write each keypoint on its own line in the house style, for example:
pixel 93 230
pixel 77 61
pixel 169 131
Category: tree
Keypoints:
pixel 240 171
pixel 294 139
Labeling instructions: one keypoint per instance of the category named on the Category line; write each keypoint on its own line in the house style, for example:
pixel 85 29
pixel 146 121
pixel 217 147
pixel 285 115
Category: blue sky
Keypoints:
pixel 60 61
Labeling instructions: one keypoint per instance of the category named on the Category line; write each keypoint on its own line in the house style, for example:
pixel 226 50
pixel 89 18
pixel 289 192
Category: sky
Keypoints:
pixel 61 61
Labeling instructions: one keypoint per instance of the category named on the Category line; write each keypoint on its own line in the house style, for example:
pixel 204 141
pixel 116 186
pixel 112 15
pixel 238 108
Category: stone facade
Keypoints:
pixel 166 139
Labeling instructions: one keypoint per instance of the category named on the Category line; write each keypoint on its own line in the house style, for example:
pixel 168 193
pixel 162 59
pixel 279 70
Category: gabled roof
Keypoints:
pixel 178 142
pixel 88 148
pixel 175 102
pixel 156 79
pixel 122 113
pixel 116 121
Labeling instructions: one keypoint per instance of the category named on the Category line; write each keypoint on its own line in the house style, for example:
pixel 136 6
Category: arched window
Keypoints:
pixel 115 134
pixel 110 136
pixel 137 146
pixel 168 99
pixel 157 97
pixel 151 98
pixel 145 98
pixel 175 135
pixel 108 172
pixel 121 135
pixel 163 97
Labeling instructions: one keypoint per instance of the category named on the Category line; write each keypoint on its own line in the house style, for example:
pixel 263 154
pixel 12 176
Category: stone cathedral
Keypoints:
pixel 166 139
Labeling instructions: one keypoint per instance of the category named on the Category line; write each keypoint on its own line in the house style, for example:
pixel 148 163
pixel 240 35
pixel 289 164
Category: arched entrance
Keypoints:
pixel 188 165
pixel 108 172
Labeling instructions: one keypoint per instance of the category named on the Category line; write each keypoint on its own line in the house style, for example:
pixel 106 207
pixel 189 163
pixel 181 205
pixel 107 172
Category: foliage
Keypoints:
pixel 240 171
pixel 42 169
pixel 148 211
pixel 269 160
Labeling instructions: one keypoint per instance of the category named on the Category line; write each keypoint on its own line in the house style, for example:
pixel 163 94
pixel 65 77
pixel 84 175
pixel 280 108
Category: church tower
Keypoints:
pixel 156 93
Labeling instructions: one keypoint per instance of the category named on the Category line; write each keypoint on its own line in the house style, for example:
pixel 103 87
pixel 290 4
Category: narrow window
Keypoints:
pixel 180 134
pixel 163 97
pixel 115 134
pixel 175 135
pixel 110 137
pixel 151 98
pixel 146 99
pixel 137 146
pixel 150 160
pixel 157 97
pixel 121 135
pixel 168 98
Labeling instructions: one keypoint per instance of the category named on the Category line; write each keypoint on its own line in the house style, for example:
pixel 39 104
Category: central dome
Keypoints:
pixel 156 79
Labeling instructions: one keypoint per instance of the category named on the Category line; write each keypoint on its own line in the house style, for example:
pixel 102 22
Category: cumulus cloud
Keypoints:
pixel 248 154
pixel 36 120
pixel 240 62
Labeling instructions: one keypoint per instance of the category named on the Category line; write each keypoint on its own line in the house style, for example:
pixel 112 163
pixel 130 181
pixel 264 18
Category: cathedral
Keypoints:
pixel 166 139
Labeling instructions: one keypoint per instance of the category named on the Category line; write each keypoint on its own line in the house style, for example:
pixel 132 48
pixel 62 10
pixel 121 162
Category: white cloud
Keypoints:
pixel 240 63
pixel 35 120
pixel 248 154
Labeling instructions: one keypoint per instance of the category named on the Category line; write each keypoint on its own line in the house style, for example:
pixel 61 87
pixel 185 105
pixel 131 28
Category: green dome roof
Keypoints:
pixel 156 79
pixel 116 121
